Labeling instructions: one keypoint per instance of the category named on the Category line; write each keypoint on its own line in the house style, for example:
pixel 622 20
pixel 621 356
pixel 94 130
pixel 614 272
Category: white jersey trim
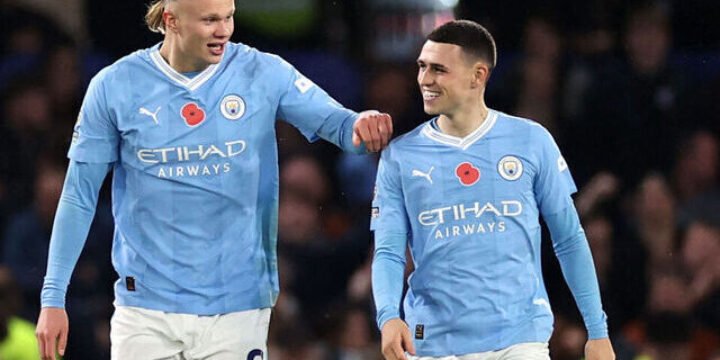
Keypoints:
pixel 466 141
pixel 190 84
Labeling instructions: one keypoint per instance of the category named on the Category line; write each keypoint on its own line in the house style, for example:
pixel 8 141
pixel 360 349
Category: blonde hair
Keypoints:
pixel 154 16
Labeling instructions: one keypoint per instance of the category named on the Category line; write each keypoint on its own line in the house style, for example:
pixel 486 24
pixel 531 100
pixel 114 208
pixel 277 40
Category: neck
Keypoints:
pixel 463 123
pixel 176 59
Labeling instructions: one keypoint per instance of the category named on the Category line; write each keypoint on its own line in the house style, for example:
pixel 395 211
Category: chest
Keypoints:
pixel 158 114
pixel 484 173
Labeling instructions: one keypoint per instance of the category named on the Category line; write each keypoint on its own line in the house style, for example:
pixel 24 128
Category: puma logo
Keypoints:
pixel 153 115
pixel 418 173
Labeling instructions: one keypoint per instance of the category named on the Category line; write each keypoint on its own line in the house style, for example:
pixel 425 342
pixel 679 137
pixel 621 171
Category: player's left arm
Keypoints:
pixel 573 252
pixel 317 115
pixel 553 189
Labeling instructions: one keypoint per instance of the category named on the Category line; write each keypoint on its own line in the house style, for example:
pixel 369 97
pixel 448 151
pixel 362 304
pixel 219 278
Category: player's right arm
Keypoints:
pixel 73 218
pixel 390 224
pixel 93 150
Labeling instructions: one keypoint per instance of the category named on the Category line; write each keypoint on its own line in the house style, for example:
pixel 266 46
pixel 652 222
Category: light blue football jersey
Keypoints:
pixel 469 209
pixel 195 182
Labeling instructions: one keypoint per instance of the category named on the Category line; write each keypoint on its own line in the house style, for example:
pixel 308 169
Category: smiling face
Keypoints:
pixel 450 81
pixel 201 29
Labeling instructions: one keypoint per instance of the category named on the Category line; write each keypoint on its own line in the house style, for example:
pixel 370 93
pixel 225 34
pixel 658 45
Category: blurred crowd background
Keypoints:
pixel 630 90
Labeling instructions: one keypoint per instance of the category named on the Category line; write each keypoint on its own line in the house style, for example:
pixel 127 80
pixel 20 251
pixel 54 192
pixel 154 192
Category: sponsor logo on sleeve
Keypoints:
pixel 562 164
pixel 303 84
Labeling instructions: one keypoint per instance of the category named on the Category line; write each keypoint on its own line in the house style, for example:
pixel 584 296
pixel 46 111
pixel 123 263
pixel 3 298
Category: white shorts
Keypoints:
pixel 141 334
pixel 523 351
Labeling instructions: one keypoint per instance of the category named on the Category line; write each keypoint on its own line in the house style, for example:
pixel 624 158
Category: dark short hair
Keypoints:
pixel 472 37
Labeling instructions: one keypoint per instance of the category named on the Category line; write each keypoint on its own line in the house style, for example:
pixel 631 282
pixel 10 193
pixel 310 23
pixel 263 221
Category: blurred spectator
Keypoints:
pixel 25 38
pixel 533 86
pixel 568 340
pixel 25 122
pixel 67 14
pixel 602 188
pixel 654 212
pixel 63 79
pixel 26 241
pixel 354 336
pixel 393 89
pixel 632 113
pixel 668 337
pixel 697 166
pixel 304 175
pixel 17 336
pixel 28 235
pixel 321 267
pixel 700 254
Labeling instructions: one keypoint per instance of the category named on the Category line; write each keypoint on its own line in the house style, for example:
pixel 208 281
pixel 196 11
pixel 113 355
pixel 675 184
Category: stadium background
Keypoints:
pixel 630 90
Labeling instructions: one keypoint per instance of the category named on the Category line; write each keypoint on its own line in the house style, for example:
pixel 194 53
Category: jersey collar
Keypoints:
pixel 180 79
pixel 433 134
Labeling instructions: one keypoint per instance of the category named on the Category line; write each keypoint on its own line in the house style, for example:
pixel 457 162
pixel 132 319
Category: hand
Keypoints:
pixel 396 340
pixel 52 332
pixel 599 349
pixel 372 128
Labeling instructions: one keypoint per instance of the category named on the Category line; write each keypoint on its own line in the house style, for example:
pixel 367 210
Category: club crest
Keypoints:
pixel 232 107
pixel 510 168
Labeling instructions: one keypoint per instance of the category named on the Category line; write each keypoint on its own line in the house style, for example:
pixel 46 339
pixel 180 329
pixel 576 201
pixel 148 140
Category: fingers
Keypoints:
pixel 384 129
pixel 62 343
pixel 374 129
pixel 398 352
pixel 46 343
pixel 407 342
pixel 356 139
pixel 388 125
pixel 362 130
pixel 41 346
pixel 395 352
pixel 375 139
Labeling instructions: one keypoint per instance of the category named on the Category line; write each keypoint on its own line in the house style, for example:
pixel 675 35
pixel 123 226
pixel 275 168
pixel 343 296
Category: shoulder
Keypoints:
pixel 517 122
pixel 410 138
pixel 523 129
pixel 405 143
pixel 254 63
pixel 119 70
pixel 245 53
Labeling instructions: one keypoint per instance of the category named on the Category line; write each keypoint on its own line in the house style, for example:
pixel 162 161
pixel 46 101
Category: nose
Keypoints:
pixel 424 78
pixel 224 28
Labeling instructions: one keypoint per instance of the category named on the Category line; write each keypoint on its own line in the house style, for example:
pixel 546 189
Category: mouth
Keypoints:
pixel 216 49
pixel 429 95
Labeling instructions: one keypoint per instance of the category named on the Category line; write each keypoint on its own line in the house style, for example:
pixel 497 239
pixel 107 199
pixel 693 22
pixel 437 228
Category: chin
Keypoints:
pixel 211 60
pixel 430 110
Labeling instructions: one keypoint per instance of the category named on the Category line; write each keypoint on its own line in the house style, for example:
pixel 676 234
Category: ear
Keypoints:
pixel 170 21
pixel 481 72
